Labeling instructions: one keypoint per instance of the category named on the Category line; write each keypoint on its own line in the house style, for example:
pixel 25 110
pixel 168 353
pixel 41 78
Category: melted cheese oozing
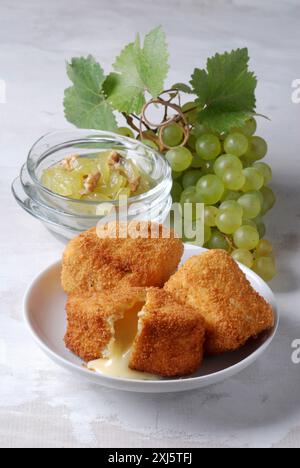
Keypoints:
pixel 118 363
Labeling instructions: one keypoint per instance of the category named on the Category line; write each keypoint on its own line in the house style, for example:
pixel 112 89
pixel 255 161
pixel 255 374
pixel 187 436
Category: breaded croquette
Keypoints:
pixel 91 319
pixel 170 338
pixel 166 338
pixel 233 311
pixel 91 263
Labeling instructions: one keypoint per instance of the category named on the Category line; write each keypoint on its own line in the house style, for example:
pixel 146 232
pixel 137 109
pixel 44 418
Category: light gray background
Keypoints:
pixel 42 405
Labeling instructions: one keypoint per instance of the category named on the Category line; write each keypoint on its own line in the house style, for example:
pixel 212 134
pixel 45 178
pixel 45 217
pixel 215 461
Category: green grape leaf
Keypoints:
pixel 125 88
pixel 225 90
pixel 183 87
pixel 85 103
pixel 152 62
pixel 137 70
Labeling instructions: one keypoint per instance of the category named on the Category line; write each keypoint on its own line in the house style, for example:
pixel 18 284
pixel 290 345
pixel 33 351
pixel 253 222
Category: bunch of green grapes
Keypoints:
pixel 225 172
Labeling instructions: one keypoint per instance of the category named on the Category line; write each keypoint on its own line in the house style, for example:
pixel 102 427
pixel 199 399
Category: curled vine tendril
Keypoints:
pixel 179 118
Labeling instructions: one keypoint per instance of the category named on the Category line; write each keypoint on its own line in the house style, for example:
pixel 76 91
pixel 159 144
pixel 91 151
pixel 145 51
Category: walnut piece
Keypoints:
pixel 134 183
pixel 114 159
pixel 70 162
pixel 90 183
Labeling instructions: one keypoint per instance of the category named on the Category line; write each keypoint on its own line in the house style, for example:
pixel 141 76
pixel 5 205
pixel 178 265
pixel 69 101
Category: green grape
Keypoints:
pixel 250 127
pixel 233 179
pixel 236 143
pixel 218 241
pixel 86 166
pixel 190 178
pixel 254 179
pixel 232 205
pixel 117 182
pixel 265 267
pixel 190 236
pixel 246 237
pixel 228 221
pixel 190 197
pixel 258 149
pixel 265 170
pixel 190 191
pixel 207 167
pixel 243 256
pixel 199 196
pixel 150 143
pixel 191 143
pixel 210 188
pixel 261 230
pixel 176 192
pixel 207 233
pixel 179 159
pixel 197 161
pixel 249 158
pixel 210 213
pixel 264 249
pixel 190 110
pixel 176 175
pixel 149 133
pixel 249 222
pixel 124 131
pixel 260 226
pixel 231 195
pixel 251 205
pixel 246 161
pixel 226 162
pixel 208 146
pixel 65 183
pixel 172 134
pixel 200 129
pixel 258 194
pixel 269 199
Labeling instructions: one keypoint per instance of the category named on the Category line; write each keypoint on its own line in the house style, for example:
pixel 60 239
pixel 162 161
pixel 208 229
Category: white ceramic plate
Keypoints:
pixel 45 316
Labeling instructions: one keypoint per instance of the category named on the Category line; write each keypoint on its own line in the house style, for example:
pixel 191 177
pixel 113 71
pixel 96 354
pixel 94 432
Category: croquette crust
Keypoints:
pixel 93 264
pixel 171 337
pixel 91 317
pixel 233 311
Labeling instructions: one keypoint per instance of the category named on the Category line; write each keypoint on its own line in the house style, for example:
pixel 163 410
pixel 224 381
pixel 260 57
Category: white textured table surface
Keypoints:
pixel 44 406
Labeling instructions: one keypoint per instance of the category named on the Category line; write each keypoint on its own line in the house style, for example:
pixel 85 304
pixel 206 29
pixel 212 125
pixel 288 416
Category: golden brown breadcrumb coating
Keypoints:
pixel 170 339
pixel 91 318
pixel 91 263
pixel 233 311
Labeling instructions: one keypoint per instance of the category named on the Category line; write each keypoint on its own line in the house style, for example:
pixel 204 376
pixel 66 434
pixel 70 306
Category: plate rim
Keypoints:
pixel 109 380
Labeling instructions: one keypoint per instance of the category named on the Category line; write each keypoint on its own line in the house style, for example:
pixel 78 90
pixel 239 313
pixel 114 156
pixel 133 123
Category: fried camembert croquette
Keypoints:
pixel 148 329
pixel 136 254
pixel 122 324
pixel 233 311
pixel 170 337
pixel 91 319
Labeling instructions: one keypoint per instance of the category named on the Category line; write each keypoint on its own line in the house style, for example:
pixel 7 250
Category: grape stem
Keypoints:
pixel 231 244
pixel 179 117
pixel 129 119
pixel 158 128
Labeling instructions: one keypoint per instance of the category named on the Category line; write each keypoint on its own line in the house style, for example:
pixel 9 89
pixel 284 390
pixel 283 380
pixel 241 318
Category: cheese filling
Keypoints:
pixel 117 365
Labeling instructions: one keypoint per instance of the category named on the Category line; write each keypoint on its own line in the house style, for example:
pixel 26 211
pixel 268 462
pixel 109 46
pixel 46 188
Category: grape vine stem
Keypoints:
pixel 179 117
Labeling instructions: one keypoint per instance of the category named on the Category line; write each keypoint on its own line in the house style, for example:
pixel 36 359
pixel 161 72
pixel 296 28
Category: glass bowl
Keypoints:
pixel 69 217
